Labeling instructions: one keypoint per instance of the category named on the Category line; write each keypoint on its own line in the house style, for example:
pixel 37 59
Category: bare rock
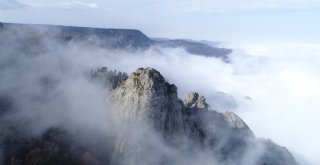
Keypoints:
pixel 195 101
pixel 235 121
pixel 146 95
pixel 146 103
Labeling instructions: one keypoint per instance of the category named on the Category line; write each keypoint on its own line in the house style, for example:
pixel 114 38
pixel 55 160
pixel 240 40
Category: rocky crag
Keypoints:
pixel 146 99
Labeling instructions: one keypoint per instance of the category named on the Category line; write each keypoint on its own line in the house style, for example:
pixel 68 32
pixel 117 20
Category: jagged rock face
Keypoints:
pixel 219 137
pixel 195 101
pixel 146 99
pixel 235 121
pixel 146 105
pixel 146 95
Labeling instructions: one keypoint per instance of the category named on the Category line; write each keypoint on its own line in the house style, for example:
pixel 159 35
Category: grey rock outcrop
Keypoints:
pixel 146 97
pixel 195 101
pixel 235 121
pixel 148 106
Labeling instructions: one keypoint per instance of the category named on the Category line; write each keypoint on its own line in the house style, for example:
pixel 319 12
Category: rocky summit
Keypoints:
pixel 195 101
pixel 189 127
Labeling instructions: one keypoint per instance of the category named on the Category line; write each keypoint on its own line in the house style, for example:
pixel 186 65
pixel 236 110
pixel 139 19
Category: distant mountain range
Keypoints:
pixel 121 39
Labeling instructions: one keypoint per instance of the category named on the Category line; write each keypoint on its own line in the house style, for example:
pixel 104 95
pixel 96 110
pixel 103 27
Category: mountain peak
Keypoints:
pixel 149 74
pixel 195 101
pixel 144 95
pixel 149 82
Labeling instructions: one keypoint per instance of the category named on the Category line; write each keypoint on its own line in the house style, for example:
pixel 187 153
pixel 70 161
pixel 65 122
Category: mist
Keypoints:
pixel 273 89
pixel 275 92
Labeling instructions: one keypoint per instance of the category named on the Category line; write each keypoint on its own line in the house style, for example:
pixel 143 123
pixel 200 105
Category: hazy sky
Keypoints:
pixel 227 20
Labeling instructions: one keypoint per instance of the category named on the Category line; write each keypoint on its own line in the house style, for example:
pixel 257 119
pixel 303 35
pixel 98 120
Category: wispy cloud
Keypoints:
pixel 10 4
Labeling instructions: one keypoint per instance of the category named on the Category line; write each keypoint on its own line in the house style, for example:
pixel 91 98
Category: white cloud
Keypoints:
pixel 74 4
pixel 283 82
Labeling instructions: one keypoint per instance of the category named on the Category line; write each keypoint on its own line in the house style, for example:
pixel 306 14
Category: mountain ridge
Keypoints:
pixel 121 38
